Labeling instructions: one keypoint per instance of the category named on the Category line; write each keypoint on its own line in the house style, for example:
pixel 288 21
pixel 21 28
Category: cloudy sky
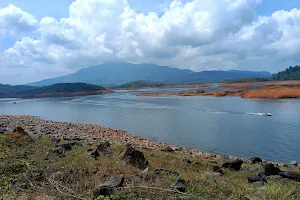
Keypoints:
pixel 42 39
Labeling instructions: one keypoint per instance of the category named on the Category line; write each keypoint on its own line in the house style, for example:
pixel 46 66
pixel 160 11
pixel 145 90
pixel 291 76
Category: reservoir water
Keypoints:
pixel 227 125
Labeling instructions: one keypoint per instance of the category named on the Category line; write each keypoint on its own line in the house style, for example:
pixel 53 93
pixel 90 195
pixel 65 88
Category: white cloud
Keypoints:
pixel 199 35
pixel 15 22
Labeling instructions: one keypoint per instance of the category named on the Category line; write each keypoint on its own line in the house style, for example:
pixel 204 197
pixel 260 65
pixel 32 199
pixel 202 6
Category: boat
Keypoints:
pixel 14 102
pixel 267 114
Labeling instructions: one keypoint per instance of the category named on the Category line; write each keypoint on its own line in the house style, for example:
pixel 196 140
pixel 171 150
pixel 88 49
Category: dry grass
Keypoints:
pixel 20 156
pixel 273 93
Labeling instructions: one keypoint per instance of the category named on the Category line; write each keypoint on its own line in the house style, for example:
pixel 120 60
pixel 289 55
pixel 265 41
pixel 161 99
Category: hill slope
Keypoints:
pixel 291 73
pixel 55 88
pixel 139 84
pixel 118 73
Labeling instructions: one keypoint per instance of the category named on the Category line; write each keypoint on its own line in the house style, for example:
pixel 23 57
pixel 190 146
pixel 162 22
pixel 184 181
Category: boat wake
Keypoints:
pixel 236 113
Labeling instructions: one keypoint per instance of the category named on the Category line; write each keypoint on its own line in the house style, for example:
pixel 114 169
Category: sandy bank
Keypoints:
pixel 268 92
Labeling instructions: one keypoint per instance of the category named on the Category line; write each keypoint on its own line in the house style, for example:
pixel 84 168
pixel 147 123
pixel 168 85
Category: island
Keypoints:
pixel 55 90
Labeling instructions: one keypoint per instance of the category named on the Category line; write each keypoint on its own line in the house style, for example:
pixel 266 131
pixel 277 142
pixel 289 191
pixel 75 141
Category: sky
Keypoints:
pixel 43 39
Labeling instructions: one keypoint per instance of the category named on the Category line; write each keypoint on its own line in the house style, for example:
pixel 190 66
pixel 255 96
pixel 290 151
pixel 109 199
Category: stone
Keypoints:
pixel 253 179
pixel 168 149
pixel 104 191
pixel 65 145
pixel 290 175
pixel 179 185
pixel 55 140
pixel 218 169
pixel 213 162
pixel 109 186
pixel 259 184
pixel 60 151
pixel 104 148
pixel 255 160
pixel 294 163
pixel 270 169
pixel 135 158
pixel 234 165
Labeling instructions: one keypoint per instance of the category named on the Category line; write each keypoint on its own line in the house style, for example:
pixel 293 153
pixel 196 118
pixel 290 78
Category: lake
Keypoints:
pixel 226 125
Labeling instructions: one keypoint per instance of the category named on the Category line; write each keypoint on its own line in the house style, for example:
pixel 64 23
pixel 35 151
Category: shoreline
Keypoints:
pixel 91 134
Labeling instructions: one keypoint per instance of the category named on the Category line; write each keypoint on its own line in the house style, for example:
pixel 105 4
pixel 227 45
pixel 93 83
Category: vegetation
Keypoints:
pixel 28 166
pixel 139 84
pixel 247 80
pixel 10 89
pixel 55 88
pixel 291 73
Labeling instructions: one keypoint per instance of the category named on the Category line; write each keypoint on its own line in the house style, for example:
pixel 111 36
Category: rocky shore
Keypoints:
pixel 42 159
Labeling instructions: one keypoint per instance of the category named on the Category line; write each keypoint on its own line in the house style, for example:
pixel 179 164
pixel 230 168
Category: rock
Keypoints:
pixel 234 165
pixel 259 184
pixel 290 175
pixel 168 149
pixel 94 153
pixel 213 162
pixel 274 177
pixel 187 160
pixel 218 169
pixel 135 158
pixel 104 191
pixel 255 160
pixel 36 175
pixel 269 169
pixel 55 140
pixel 60 151
pixel 179 185
pixel 65 145
pixel 104 148
pixel 294 163
pixel 253 179
pixel 2 130
pixel 109 186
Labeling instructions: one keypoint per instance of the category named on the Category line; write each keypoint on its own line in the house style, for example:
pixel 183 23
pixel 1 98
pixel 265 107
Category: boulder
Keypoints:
pixel 55 140
pixel 179 185
pixel 253 179
pixel 135 158
pixel 168 149
pixel 109 186
pixel 234 165
pixel 255 160
pixel 218 169
pixel 269 169
pixel 293 163
pixel 104 148
pixel 65 145
pixel 94 153
pixel 104 191
pixel 290 175
pixel 60 151
pixel 259 184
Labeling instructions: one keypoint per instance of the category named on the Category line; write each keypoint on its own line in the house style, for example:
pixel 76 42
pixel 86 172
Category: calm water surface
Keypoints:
pixel 227 125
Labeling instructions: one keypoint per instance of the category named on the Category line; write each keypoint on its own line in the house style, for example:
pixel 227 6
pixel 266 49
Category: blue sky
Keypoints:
pixel 202 35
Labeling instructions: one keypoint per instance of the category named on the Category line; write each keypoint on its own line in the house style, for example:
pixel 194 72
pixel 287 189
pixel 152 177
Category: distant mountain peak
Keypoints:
pixel 117 73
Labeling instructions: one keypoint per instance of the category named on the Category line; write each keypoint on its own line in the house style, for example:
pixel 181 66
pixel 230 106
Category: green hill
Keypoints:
pixel 55 88
pixel 140 83
pixel 291 73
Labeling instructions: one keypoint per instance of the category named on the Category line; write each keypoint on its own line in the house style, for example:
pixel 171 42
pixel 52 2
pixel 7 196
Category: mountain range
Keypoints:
pixel 116 73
